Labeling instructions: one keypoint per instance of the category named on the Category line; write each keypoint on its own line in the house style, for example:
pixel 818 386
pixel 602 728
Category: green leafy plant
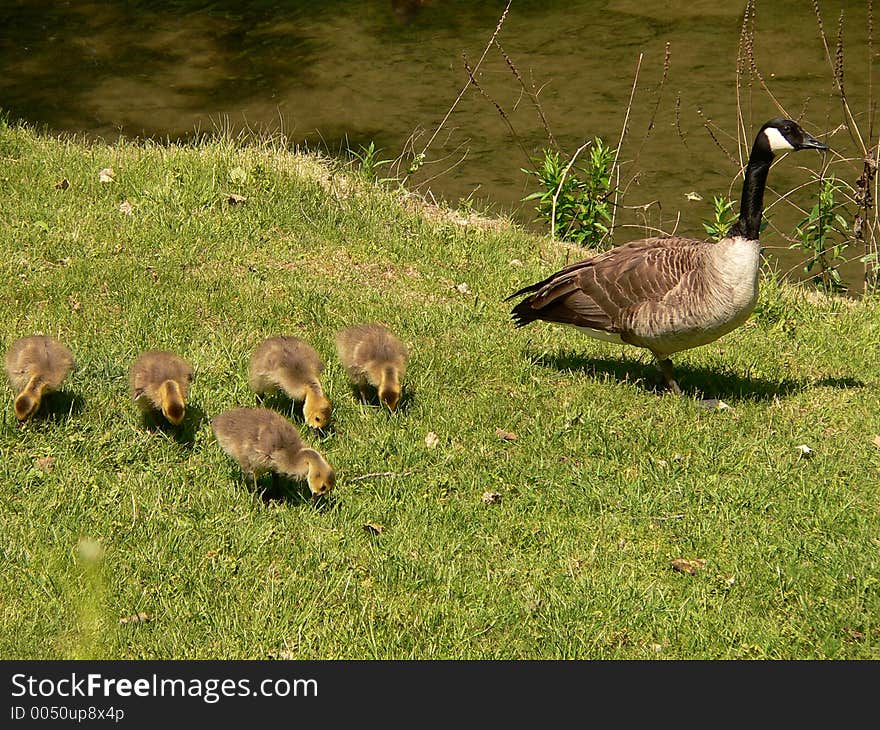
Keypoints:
pixel 369 161
pixel 574 200
pixel 822 235
pixel 724 216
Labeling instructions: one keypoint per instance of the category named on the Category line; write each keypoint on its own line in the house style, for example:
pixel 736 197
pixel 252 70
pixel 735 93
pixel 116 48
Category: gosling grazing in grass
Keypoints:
pixel 261 440
pixel 160 381
pixel 36 365
pixel 373 357
pixel 669 294
pixel 294 367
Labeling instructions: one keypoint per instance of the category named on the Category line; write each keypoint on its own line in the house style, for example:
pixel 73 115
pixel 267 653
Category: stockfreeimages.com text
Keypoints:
pixel 209 690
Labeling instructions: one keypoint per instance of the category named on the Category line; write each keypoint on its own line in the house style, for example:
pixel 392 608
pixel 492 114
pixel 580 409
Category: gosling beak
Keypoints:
pixel 811 143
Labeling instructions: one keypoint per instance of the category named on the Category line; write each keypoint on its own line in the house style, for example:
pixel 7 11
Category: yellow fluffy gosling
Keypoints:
pixel 160 381
pixel 261 440
pixel 373 357
pixel 36 365
pixel 288 364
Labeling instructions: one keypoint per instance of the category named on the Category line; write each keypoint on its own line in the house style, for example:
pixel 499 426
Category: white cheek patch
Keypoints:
pixel 778 143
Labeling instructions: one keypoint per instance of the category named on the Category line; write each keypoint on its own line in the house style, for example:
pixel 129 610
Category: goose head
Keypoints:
pixel 316 412
pixel 785 135
pixel 389 395
pixel 321 478
pixel 27 403
pixel 172 406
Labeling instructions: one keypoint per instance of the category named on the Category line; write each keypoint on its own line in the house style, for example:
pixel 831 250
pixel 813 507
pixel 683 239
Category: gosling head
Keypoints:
pixel 26 404
pixel 173 407
pixel 389 395
pixel 317 412
pixel 321 479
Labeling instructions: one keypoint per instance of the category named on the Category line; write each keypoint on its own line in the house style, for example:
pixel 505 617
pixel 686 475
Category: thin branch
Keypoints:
pixel 532 93
pixel 559 187
pixel 614 165
pixel 379 474
pixel 465 87
pixel 470 73
pixel 662 86
pixel 852 125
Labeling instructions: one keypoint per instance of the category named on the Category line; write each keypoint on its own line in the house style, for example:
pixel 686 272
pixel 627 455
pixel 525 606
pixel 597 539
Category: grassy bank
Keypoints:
pixel 604 485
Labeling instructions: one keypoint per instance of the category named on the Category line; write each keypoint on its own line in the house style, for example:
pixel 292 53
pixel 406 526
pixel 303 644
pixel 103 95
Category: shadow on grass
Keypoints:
pixel 695 382
pixel 843 383
pixel 55 407
pixel 185 433
pixel 293 410
pixel 272 487
pixel 60 405
pixel 407 398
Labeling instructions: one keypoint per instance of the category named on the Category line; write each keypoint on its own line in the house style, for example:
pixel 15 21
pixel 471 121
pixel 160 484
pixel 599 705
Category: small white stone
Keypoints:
pixel 806 451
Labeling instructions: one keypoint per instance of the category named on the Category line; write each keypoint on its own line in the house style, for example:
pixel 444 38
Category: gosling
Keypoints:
pixel 294 367
pixel 261 440
pixel 373 357
pixel 160 381
pixel 36 366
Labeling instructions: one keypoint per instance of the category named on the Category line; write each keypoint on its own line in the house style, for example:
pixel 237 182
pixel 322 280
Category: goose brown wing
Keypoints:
pixel 600 292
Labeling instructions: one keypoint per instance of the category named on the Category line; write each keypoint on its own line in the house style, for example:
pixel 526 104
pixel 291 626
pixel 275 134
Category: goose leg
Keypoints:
pixel 671 383
pixel 666 368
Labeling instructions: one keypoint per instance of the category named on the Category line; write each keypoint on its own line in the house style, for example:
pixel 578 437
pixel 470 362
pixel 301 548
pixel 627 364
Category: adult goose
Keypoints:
pixel 668 294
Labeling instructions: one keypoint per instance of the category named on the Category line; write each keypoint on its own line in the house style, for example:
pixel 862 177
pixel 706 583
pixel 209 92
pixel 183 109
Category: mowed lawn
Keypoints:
pixel 528 499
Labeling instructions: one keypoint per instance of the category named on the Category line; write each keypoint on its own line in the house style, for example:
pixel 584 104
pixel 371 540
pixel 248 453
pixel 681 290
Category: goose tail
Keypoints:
pixel 523 313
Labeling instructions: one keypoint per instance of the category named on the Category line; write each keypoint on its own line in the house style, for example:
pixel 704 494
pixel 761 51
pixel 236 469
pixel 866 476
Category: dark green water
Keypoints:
pixel 340 74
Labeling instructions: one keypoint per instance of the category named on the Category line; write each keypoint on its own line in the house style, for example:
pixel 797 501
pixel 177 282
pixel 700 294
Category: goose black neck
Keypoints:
pixel 751 208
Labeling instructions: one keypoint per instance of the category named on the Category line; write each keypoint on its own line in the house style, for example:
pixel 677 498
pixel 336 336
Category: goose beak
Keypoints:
pixel 811 143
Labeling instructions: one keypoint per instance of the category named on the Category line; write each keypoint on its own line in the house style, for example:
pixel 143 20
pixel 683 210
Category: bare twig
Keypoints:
pixel 561 183
pixel 380 474
pixel 836 66
pixel 653 118
pixel 615 168
pixel 870 24
pixel 445 170
pixel 465 87
pixel 501 111
pixel 531 92
pixel 677 115
pixel 707 124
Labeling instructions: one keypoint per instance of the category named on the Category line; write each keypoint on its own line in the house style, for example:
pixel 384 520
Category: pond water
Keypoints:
pixel 339 75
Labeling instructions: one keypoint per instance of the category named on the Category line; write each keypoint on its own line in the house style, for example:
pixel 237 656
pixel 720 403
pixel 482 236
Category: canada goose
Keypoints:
pixel 36 365
pixel 373 357
pixel 160 381
pixel 669 294
pixel 293 366
pixel 261 440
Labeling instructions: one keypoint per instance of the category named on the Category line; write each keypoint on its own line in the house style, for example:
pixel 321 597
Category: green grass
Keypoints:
pixel 606 483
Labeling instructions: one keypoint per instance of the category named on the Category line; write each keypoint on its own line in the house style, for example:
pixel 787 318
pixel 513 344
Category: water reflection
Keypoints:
pixel 338 74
